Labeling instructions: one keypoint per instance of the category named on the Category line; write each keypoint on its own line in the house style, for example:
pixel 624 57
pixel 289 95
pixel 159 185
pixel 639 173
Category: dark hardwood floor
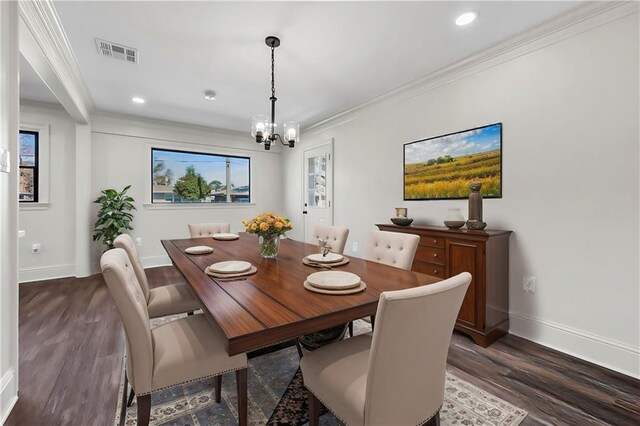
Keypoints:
pixel 71 347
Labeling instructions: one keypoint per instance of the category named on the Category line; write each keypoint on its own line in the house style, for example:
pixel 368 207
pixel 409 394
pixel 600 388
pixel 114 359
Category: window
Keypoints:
pixel 28 148
pixel 193 177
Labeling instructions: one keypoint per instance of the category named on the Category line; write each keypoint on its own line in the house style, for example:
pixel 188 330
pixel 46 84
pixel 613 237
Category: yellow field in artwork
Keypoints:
pixel 452 179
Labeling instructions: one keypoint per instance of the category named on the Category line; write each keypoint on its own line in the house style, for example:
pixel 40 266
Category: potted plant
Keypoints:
pixel 114 215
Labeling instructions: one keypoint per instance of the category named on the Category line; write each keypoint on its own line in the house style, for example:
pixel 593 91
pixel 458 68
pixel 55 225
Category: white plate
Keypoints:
pixel 329 258
pixel 333 280
pixel 360 287
pixel 226 236
pixel 230 267
pixel 198 250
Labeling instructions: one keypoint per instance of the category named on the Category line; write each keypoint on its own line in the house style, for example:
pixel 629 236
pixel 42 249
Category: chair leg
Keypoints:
pixel 314 409
pixel 123 411
pixel 434 421
pixel 241 381
pixel 144 409
pixel 131 395
pixel 373 322
pixel 218 380
pixel 351 328
pixel 300 353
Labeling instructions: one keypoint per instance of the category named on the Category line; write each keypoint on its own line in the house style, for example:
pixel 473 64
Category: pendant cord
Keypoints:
pixel 273 71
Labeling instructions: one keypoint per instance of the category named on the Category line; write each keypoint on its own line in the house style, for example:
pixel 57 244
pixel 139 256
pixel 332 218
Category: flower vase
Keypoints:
pixel 269 246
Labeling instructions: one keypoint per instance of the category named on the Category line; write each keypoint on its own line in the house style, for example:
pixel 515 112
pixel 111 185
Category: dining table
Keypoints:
pixel 272 305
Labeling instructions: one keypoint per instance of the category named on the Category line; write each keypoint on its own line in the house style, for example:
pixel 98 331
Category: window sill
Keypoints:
pixel 196 206
pixel 34 206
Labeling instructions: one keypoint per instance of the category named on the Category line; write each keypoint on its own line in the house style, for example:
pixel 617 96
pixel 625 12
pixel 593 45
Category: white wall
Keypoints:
pixel 570 181
pixel 52 223
pixel 121 154
pixel 9 117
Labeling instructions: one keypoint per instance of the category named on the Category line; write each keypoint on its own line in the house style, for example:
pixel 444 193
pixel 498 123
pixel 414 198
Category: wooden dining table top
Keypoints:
pixel 272 305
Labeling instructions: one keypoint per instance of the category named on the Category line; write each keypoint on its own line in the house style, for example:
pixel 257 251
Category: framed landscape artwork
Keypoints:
pixel 441 168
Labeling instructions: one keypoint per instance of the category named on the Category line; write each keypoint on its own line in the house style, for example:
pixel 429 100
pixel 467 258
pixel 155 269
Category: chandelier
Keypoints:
pixel 263 128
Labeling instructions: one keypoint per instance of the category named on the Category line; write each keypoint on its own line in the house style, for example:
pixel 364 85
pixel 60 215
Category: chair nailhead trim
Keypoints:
pixel 189 381
pixel 431 416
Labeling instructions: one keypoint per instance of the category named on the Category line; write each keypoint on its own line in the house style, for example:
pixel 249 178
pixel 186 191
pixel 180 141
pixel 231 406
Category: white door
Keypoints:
pixel 318 189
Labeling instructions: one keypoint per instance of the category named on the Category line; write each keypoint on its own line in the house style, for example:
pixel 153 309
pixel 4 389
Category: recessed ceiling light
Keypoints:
pixel 137 100
pixel 210 95
pixel 466 18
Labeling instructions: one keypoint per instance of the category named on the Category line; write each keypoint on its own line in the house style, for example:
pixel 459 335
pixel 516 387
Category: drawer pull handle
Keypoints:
pixel 435 241
pixel 435 254
pixel 435 271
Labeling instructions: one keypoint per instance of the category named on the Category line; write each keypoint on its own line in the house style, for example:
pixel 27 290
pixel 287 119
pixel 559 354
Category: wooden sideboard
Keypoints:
pixel 444 252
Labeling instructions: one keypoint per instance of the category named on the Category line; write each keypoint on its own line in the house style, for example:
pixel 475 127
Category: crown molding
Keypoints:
pixel 46 47
pixel 575 21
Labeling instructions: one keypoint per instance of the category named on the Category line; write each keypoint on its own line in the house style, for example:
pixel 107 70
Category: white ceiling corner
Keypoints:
pixel 334 55
pixel 44 45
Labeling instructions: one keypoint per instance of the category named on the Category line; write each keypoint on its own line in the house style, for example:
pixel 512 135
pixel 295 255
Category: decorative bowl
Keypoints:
pixel 401 221
pixel 476 225
pixel 454 224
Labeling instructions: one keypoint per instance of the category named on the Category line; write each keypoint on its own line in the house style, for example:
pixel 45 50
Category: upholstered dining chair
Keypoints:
pixel 199 230
pixel 180 351
pixel 393 249
pixel 395 375
pixel 161 301
pixel 336 236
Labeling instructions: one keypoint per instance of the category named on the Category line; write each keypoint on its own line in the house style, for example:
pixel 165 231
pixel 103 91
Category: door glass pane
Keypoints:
pixel 316 181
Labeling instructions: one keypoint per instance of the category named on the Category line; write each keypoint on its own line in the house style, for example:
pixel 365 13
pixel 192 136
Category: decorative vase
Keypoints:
pixel 269 246
pixel 475 202
pixel 454 219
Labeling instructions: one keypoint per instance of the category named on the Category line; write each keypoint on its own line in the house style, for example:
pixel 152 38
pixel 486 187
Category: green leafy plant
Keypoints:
pixel 114 216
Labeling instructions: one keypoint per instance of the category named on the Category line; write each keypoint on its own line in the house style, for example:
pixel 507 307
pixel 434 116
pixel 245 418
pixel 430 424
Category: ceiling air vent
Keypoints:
pixel 117 51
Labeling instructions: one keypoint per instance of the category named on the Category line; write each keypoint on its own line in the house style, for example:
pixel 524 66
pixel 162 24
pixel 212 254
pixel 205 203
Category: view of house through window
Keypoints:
pixel 192 177
pixel 28 148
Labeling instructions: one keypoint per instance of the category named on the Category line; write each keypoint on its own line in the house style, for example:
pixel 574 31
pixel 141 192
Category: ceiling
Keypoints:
pixel 32 87
pixel 334 55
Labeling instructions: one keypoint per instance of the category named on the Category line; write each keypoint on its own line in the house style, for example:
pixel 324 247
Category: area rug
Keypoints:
pixel 277 397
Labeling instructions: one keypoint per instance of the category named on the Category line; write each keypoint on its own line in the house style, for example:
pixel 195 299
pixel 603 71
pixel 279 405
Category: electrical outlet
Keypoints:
pixel 139 241
pixel 355 247
pixel 529 284
pixel 35 248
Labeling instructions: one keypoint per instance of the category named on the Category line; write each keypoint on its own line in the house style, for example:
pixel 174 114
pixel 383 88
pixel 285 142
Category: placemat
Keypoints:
pixel 251 271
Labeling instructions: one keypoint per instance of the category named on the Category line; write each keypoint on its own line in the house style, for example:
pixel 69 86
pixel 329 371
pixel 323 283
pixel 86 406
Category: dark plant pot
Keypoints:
pixel 401 221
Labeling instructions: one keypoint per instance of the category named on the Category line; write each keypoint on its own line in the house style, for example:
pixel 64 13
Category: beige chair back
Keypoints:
pixel 120 277
pixel 197 230
pixel 125 242
pixel 392 248
pixel 407 365
pixel 336 236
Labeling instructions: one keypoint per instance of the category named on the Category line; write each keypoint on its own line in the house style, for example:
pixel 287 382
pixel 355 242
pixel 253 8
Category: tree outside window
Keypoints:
pixel 28 165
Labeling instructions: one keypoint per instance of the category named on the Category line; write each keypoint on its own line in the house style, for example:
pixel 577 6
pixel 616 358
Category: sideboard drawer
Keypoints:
pixel 429 268
pixel 431 254
pixel 426 240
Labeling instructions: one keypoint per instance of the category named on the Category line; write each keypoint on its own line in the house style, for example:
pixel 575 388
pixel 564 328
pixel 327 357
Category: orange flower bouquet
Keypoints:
pixel 269 228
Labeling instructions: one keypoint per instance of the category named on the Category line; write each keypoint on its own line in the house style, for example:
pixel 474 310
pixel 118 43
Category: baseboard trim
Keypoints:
pixel 155 261
pixel 26 275
pixel 5 381
pixel 608 353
